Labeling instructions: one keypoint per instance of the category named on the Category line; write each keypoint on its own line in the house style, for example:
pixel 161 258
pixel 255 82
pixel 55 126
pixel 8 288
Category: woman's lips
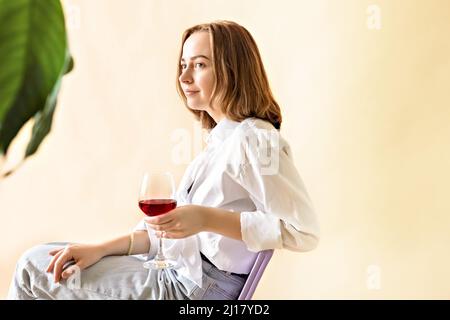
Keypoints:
pixel 191 93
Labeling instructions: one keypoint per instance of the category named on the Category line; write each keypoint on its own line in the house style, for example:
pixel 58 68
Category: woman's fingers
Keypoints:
pixel 155 227
pixel 174 235
pixel 161 219
pixel 158 222
pixel 55 251
pixel 171 225
pixel 72 269
pixel 59 264
pixel 52 262
pixel 68 272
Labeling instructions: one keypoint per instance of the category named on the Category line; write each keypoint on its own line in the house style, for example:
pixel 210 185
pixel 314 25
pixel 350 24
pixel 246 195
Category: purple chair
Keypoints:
pixel 262 259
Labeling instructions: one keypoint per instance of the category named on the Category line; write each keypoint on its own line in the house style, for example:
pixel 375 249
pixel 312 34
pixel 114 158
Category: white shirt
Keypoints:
pixel 247 167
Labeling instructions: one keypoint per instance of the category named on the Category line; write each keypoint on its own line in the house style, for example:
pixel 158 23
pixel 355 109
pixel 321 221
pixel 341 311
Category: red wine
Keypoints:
pixel 155 207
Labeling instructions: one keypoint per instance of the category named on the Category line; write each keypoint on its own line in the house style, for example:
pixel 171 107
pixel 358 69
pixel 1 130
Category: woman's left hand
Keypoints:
pixel 180 222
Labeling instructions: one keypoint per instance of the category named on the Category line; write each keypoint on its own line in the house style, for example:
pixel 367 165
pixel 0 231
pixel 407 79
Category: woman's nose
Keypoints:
pixel 185 77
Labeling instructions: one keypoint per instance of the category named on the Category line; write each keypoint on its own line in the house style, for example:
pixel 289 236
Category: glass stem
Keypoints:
pixel 160 254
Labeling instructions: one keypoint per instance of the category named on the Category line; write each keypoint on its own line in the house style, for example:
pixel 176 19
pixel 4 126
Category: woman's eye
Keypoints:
pixel 184 66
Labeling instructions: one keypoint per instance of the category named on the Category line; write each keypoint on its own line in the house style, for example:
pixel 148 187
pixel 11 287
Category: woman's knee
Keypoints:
pixel 37 256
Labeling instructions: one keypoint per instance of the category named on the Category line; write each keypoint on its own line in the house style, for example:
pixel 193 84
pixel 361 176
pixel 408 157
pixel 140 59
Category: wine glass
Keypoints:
pixel 156 197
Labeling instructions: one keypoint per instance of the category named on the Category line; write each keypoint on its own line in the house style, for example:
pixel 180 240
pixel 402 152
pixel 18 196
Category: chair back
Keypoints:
pixel 262 259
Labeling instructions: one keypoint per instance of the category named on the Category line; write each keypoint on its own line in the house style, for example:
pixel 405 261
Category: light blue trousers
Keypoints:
pixel 116 277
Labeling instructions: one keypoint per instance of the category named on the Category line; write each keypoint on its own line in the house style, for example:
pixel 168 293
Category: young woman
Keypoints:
pixel 241 195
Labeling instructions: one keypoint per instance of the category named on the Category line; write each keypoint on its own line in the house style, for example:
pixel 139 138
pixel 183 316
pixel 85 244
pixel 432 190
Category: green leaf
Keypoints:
pixel 33 58
pixel 44 118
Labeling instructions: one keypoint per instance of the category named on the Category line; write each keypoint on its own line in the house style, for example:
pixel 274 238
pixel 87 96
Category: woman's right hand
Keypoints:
pixel 84 255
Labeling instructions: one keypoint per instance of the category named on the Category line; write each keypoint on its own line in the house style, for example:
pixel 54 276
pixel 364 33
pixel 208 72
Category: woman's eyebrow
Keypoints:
pixel 195 57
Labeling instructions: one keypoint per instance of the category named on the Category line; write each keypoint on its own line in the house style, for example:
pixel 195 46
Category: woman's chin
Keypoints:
pixel 196 107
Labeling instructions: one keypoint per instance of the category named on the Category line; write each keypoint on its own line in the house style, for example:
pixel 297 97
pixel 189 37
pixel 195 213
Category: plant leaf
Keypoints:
pixel 43 119
pixel 33 58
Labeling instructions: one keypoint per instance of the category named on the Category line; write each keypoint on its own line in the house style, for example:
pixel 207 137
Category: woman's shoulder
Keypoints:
pixel 257 144
pixel 257 124
pixel 257 130
pixel 255 135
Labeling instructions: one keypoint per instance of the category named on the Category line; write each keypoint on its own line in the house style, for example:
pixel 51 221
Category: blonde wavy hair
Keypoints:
pixel 241 86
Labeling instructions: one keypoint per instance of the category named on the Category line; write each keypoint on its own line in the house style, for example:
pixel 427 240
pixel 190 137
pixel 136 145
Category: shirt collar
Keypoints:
pixel 221 131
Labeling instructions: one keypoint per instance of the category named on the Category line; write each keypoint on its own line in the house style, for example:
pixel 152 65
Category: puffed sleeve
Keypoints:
pixel 285 217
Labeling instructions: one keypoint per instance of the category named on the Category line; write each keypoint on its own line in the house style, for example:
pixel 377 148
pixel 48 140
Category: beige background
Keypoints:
pixel 366 112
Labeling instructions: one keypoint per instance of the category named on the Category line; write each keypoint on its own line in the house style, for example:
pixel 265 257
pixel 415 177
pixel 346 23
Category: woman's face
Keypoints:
pixel 197 77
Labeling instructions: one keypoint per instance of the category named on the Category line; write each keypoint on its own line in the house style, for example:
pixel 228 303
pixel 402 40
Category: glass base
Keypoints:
pixel 159 264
